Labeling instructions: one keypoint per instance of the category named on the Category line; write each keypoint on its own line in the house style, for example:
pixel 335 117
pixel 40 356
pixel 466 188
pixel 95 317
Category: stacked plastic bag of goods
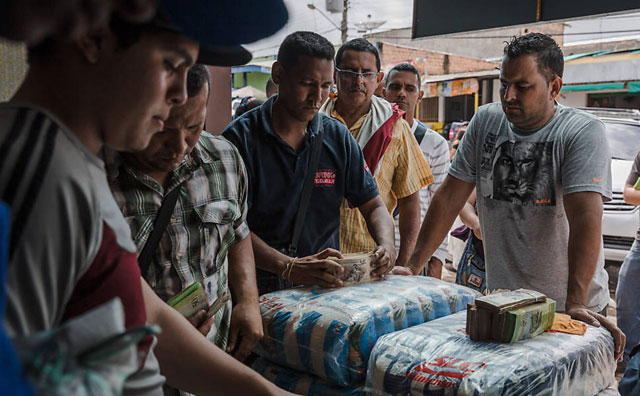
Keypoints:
pixel 439 358
pixel 330 332
pixel 303 384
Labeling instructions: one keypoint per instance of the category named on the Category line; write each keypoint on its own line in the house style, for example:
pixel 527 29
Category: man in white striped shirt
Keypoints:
pixel 402 87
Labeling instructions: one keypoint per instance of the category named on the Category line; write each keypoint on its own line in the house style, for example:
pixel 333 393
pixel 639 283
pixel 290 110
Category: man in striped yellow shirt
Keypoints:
pixel 390 149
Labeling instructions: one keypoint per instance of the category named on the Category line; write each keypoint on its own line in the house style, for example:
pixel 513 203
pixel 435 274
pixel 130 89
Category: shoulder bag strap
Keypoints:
pixel 162 219
pixel 307 189
pixel 419 133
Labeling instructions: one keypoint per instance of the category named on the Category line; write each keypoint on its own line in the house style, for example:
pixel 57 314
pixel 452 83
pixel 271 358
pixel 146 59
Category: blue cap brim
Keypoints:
pixel 220 26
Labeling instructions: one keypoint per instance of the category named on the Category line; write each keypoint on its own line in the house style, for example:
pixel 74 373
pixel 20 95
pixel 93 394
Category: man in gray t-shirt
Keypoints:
pixel 541 171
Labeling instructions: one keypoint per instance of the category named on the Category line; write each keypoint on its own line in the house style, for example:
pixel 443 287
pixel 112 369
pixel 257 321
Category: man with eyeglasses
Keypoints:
pixel 390 150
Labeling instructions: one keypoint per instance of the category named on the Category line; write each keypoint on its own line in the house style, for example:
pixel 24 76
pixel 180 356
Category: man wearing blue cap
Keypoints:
pixel 70 247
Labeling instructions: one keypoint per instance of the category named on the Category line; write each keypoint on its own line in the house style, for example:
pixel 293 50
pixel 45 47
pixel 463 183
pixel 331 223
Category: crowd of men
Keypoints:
pixel 107 133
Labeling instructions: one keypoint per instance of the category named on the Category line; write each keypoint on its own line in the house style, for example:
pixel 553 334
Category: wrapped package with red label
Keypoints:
pixel 439 358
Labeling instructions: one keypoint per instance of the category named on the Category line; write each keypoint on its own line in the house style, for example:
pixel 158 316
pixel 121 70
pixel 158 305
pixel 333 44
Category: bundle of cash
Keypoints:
pixel 357 267
pixel 190 301
pixel 510 316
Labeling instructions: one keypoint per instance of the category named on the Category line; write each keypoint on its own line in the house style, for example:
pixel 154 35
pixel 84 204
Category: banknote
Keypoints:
pixel 357 267
pixel 190 300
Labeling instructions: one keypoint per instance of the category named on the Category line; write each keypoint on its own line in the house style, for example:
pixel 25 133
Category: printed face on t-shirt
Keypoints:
pixel 522 173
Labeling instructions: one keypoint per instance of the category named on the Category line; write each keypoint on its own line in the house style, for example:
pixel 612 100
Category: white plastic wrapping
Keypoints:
pixel 439 358
pixel 330 332
pixel 302 383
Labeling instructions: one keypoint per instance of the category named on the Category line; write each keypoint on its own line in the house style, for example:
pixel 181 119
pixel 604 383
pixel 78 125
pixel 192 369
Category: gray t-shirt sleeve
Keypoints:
pixel 634 174
pixel 587 162
pixel 463 166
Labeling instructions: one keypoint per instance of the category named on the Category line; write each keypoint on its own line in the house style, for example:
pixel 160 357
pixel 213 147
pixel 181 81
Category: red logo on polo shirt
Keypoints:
pixel 325 178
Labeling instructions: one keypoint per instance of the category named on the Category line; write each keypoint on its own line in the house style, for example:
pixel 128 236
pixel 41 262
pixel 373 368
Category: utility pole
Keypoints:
pixel 343 28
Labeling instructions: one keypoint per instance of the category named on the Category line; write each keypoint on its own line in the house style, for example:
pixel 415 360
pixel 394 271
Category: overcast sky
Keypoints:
pixel 398 14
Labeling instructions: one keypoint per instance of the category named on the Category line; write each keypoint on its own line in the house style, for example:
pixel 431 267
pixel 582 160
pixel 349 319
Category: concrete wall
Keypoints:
pixel 487 44
pixel 219 108
pixel 573 98
pixel 13 68
pixel 496 91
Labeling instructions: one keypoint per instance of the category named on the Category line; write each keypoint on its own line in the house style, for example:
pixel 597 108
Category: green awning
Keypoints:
pixel 634 86
pixel 593 87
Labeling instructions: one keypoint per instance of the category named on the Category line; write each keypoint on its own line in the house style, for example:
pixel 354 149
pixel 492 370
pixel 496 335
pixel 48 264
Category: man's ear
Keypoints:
pixel 92 44
pixel 380 76
pixel 556 87
pixel 276 72
pixel 420 95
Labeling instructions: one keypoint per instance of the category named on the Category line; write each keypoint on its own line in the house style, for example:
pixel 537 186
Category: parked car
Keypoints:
pixel 620 220
pixel 454 127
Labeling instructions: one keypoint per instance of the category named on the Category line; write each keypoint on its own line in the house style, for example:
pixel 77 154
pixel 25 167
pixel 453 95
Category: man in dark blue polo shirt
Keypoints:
pixel 275 141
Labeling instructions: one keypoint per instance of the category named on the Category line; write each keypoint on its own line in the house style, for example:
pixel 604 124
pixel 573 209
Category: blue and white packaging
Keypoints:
pixel 330 332
pixel 439 358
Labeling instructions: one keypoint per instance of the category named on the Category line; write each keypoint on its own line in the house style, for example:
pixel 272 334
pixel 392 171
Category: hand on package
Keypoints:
pixel 400 270
pixel 579 312
pixel 245 330
pixel 383 262
pixel 198 321
pixel 317 269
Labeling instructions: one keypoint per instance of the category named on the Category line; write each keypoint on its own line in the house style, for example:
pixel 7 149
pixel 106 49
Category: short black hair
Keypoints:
pixel 243 108
pixel 403 67
pixel 303 43
pixel 546 51
pixel 358 44
pixel 197 77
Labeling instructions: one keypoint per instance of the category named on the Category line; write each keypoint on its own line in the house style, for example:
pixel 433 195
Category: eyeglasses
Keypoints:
pixel 350 74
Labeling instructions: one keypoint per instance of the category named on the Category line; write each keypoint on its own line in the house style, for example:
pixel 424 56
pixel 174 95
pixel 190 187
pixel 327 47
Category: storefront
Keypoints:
pixel 602 79
pixel 454 98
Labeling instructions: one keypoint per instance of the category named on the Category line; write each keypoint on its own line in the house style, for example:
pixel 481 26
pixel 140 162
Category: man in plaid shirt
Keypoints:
pixel 206 238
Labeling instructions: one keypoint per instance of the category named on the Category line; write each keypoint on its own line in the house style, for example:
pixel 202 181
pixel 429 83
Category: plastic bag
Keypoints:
pixel 438 358
pixel 91 354
pixel 330 332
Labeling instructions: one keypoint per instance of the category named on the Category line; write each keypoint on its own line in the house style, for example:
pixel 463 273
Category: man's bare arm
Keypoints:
pixel 584 213
pixel 246 322
pixel 191 362
pixel 380 226
pixel 445 206
pixel 469 216
pixel 408 225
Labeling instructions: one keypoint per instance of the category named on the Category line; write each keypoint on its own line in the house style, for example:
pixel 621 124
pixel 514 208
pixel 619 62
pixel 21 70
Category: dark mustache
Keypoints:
pixel 359 88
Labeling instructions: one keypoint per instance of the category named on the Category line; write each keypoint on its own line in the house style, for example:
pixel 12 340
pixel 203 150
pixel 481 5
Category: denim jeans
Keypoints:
pixel 628 299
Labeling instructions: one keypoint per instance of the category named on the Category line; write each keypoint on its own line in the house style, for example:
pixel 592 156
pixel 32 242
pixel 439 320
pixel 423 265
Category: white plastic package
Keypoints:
pixel 439 358
pixel 330 332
